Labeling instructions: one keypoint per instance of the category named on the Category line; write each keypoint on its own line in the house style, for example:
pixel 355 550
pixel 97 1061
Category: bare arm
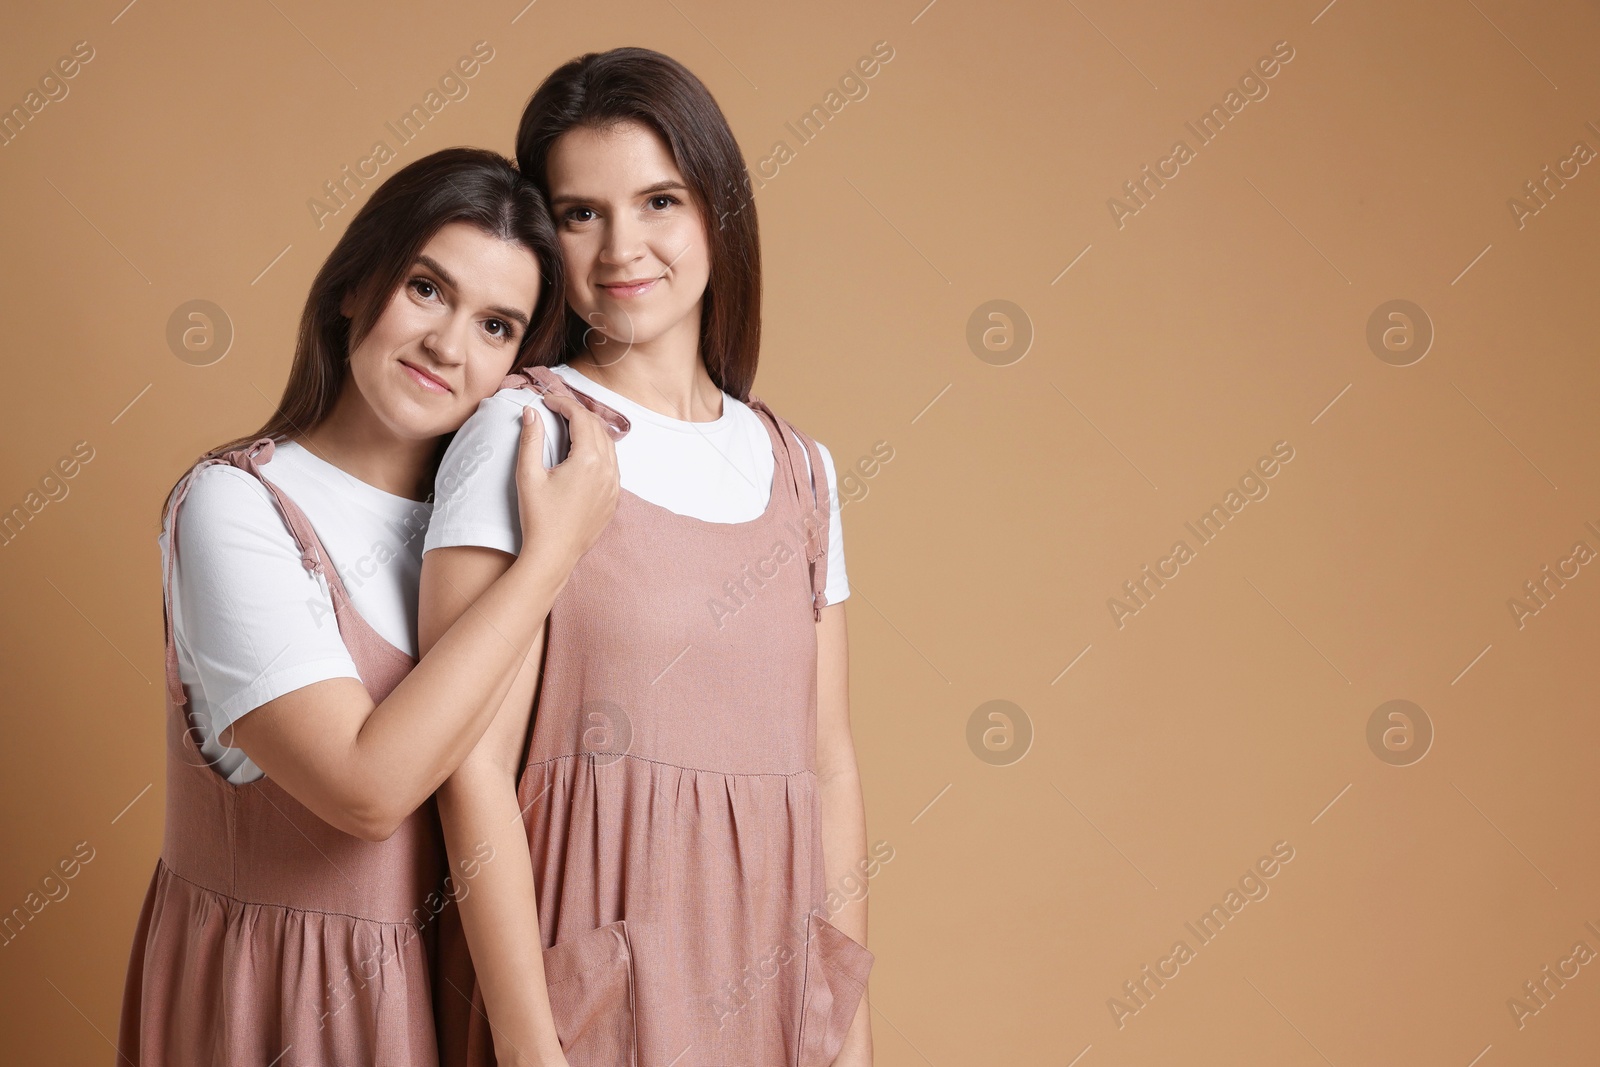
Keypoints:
pixel 365 768
pixel 844 822
pixel 479 803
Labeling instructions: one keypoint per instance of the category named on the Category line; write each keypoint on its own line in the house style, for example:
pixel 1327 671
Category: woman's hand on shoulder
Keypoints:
pixel 565 508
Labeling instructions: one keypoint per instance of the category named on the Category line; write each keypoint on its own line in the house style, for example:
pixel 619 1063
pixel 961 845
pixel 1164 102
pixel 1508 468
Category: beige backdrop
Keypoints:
pixel 1043 453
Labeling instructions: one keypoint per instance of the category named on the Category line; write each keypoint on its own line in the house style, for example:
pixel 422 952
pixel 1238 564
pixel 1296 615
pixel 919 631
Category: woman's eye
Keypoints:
pixel 572 215
pixel 504 328
pixel 418 285
pixel 663 201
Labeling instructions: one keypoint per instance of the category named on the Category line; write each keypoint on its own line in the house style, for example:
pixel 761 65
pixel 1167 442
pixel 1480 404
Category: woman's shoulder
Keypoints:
pixel 489 441
pixel 505 405
pixel 216 487
pixel 497 420
pixel 799 435
pixel 783 419
pixel 760 441
pixel 827 458
pixel 224 497
pixel 224 505
pixel 803 438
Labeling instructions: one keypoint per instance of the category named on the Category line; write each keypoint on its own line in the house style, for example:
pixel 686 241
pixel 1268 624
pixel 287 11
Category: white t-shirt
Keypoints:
pixel 251 623
pixel 719 471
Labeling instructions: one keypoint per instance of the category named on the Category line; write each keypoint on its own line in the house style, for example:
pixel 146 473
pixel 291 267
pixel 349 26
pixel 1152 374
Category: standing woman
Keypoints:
pixel 674 826
pixel 289 919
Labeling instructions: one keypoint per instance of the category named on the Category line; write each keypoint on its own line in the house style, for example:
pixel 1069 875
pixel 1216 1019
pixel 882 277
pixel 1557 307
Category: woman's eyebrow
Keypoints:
pixel 445 277
pixel 667 185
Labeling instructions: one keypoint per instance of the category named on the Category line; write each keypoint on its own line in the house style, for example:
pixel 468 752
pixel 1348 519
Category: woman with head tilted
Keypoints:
pixel 294 910
pixel 668 825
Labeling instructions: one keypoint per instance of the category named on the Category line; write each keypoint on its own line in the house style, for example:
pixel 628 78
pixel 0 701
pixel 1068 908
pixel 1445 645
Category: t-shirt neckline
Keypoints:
pixel 637 412
pixel 375 499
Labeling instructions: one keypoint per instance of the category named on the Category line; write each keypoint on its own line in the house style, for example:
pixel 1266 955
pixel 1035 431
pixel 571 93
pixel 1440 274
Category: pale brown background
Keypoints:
pixel 1230 714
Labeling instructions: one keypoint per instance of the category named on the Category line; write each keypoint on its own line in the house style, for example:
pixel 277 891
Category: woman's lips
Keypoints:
pixel 636 288
pixel 426 381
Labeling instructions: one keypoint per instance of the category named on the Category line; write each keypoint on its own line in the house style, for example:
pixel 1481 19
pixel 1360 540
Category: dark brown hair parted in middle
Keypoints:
pixel 370 261
pixel 601 89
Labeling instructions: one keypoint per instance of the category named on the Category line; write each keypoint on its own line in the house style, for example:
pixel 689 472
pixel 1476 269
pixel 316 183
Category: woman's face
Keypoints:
pixel 449 333
pixel 633 240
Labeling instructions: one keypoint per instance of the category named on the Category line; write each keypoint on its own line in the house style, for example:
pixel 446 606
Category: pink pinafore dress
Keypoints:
pixel 670 791
pixel 267 936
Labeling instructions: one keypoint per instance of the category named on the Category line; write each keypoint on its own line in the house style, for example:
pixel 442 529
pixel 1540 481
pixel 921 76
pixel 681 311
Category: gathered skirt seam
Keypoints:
pixel 286 907
pixel 675 766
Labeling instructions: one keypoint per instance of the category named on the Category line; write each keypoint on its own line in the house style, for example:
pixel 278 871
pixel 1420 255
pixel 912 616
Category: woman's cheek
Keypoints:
pixel 693 252
pixel 577 255
pixel 487 375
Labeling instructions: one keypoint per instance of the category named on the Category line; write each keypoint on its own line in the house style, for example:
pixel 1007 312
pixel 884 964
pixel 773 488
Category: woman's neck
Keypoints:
pixel 356 441
pixel 665 375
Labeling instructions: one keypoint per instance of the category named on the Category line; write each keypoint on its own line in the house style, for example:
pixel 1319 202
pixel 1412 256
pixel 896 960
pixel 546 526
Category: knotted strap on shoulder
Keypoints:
pixel 812 496
pixel 312 554
pixel 544 381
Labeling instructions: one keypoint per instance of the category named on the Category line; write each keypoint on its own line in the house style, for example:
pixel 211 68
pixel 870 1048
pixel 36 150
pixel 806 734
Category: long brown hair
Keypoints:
pixel 371 259
pixel 601 89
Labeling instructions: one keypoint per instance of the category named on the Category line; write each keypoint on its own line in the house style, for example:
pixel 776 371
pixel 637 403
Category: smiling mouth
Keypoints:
pixel 425 380
pixel 638 287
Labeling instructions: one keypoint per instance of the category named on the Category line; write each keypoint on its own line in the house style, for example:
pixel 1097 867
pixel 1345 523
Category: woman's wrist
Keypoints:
pixel 542 567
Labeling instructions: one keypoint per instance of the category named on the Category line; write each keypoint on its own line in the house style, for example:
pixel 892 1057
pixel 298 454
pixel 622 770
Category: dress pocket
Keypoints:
pixel 836 975
pixel 590 979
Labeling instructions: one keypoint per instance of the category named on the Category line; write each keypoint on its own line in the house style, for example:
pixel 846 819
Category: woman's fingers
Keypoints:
pixel 532 442
pixel 565 508
pixel 587 433
pixel 530 449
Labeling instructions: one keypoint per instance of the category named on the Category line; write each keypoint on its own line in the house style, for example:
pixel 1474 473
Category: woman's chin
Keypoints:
pixel 416 420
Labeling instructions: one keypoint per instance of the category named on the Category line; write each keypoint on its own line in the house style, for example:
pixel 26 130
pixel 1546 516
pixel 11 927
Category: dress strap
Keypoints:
pixel 312 554
pixel 543 381
pixel 815 504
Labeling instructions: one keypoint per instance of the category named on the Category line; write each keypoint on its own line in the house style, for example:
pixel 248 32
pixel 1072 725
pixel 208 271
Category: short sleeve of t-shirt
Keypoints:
pixel 251 619
pixel 836 586
pixel 475 492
